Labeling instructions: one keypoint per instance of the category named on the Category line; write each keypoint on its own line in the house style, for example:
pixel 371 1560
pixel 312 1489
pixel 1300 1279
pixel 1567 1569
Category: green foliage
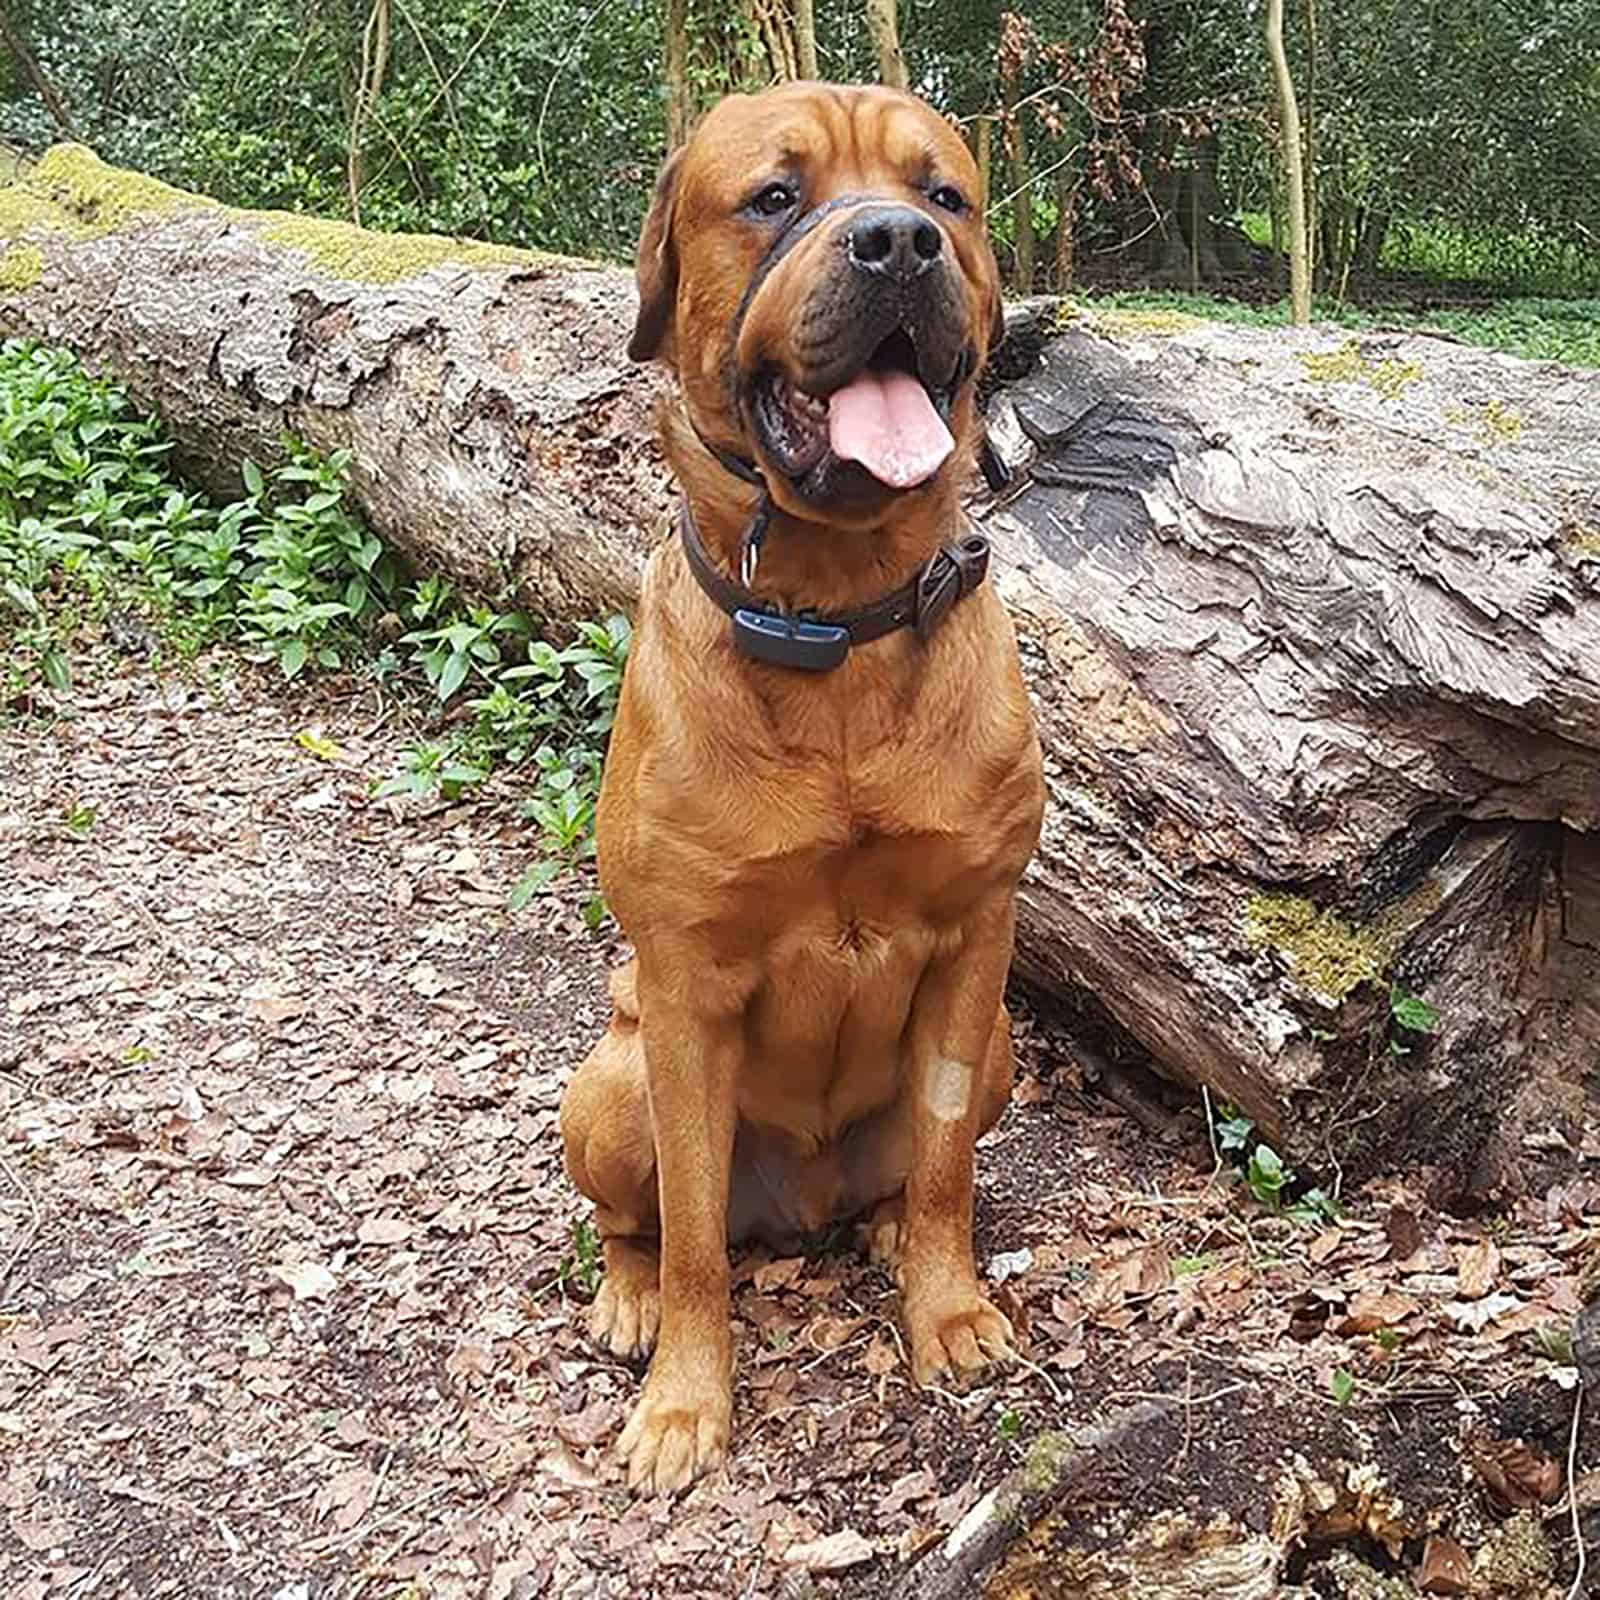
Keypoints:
pixel 1265 1173
pixel 583 1264
pixel 1411 1016
pixel 1341 1385
pixel 90 519
pixel 1546 330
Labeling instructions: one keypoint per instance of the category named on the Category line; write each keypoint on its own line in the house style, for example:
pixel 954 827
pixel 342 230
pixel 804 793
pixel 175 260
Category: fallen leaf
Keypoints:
pixel 347 1495
pixel 318 743
pixel 269 1007
pixel 1325 1244
pixel 383 1230
pixel 589 1426
pixel 564 1466
pixel 248 1177
pixel 834 1553
pixel 906 1490
pixel 880 1357
pixel 1515 1473
pixel 1404 1232
pixel 1445 1568
pixel 1147 1270
pixel 1476 1270
pixel 778 1274
pixel 1473 1316
pixel 1373 1309
pixel 310 1280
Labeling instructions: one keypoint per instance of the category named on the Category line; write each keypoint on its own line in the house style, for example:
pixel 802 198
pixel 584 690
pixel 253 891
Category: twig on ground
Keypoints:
pixel 36 1221
pixel 1211 1133
pixel 1577 1590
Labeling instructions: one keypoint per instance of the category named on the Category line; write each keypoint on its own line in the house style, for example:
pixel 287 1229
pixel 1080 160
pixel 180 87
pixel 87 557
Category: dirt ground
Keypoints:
pixel 292 1303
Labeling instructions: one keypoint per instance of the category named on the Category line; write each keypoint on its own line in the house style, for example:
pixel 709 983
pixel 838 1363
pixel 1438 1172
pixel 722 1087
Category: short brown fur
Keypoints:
pixel 817 871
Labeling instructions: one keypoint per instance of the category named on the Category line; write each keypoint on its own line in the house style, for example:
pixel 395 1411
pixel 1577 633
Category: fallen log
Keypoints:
pixel 1311 621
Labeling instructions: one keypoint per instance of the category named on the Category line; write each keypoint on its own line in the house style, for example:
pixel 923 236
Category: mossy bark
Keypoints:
pixel 1316 660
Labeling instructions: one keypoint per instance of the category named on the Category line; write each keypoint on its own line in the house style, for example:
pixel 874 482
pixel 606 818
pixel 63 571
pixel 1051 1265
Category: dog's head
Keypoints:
pixel 816 267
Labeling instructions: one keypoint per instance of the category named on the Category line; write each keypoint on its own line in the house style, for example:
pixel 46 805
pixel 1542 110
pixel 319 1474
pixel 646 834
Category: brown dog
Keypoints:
pixel 812 834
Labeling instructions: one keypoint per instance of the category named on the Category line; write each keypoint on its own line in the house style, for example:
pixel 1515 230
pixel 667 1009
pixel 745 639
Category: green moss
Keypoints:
pixel 73 191
pixel 1581 539
pixel 1517 1559
pixel 343 250
pixel 23 210
pixel 1325 952
pixel 103 198
pixel 1128 323
pixel 1046 1456
pixel 1388 379
pixel 20 267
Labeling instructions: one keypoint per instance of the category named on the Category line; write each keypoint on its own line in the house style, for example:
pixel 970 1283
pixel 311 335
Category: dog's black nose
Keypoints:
pixel 893 242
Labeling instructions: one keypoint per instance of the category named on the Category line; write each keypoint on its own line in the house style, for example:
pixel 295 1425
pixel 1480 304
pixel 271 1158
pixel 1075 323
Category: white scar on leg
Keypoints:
pixel 947 1090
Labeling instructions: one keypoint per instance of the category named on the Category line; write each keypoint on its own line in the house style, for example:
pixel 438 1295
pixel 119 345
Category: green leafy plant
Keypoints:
pixel 582 1265
pixel 1265 1173
pixel 1411 1016
pixel 1341 1385
pixel 92 527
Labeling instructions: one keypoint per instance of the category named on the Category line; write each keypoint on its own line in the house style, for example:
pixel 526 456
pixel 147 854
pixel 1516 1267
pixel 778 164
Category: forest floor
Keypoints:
pixel 292 1283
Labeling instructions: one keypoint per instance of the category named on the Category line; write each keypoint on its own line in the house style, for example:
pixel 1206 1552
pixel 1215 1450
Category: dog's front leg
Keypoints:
pixel 952 1326
pixel 680 1426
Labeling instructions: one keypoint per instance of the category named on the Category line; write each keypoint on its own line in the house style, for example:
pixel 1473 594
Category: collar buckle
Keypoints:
pixel 951 574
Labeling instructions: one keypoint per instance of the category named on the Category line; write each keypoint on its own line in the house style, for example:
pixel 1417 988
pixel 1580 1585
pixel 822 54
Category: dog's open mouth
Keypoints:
pixel 885 419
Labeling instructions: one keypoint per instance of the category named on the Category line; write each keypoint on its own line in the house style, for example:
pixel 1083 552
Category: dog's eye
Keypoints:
pixel 774 200
pixel 949 198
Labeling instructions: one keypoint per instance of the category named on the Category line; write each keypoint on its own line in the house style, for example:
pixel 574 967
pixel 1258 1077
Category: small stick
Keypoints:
pixel 1057 1463
pixel 32 1230
pixel 1577 1590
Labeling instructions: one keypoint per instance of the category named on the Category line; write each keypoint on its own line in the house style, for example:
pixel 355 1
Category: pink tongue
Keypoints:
pixel 886 421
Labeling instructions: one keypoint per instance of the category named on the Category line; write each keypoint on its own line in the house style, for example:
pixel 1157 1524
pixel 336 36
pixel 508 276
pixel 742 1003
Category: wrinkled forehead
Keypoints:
pixel 833 140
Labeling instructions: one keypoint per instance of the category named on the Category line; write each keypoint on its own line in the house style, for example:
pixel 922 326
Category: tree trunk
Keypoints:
pixel 680 113
pixel 1021 188
pixel 884 26
pixel 369 85
pixel 805 38
pixel 28 65
pixel 1293 172
pixel 1313 633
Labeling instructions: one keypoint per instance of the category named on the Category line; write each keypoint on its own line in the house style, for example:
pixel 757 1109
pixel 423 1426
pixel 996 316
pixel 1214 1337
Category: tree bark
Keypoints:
pixel 679 110
pixel 884 26
pixel 1313 631
pixel 805 38
pixel 1021 186
pixel 29 66
pixel 1293 169
pixel 369 85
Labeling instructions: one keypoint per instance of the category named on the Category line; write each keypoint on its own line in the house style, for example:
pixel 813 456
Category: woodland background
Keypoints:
pixel 1133 141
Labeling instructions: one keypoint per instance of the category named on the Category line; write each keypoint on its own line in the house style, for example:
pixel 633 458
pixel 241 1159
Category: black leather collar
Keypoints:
pixel 819 641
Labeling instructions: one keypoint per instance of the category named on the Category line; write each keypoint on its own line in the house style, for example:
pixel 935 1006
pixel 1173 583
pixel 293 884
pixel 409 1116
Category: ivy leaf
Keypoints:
pixel 1411 1011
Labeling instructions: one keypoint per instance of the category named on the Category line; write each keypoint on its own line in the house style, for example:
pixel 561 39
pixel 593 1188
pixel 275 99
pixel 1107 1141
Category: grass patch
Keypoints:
pixel 1540 329
pixel 95 529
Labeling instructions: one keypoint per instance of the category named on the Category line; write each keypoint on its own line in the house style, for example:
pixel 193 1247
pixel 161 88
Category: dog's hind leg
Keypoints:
pixel 610 1153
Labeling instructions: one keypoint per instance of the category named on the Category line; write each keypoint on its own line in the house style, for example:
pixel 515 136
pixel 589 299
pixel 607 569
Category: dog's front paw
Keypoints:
pixel 956 1333
pixel 626 1313
pixel 678 1430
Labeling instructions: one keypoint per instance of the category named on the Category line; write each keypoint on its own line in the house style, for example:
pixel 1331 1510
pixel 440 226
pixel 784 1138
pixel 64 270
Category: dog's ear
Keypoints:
pixel 657 268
